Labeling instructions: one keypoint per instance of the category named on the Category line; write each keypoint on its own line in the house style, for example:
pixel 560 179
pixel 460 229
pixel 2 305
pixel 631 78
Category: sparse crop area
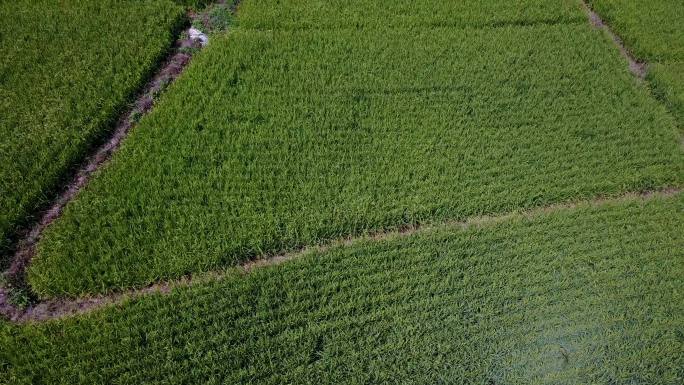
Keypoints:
pixel 67 70
pixel 575 296
pixel 343 192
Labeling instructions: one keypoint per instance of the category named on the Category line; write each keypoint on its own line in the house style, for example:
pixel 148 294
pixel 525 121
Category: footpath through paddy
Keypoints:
pixel 68 70
pixel 653 32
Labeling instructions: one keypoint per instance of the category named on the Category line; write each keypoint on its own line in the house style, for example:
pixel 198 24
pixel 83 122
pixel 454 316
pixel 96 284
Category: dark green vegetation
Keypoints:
pixel 67 70
pixel 668 84
pixel 215 18
pixel 273 140
pixel 577 296
pixel 654 31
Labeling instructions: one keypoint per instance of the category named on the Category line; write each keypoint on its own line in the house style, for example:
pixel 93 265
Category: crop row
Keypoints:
pixel 273 140
pixel 653 32
pixel 67 70
pixel 583 295
pixel 371 14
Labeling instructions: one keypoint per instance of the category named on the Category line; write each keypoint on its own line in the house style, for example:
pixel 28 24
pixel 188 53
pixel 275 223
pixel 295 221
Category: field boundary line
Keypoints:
pixel 58 308
pixel 169 71
pixel 188 42
pixel 637 67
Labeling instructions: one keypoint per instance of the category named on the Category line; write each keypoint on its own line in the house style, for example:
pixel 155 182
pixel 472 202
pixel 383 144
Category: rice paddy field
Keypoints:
pixel 668 84
pixel 357 192
pixel 651 29
pixel 67 70
pixel 587 295
pixel 298 137
pixel 653 32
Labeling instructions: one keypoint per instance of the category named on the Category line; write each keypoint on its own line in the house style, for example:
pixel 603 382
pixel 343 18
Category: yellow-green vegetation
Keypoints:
pixel 316 120
pixel 67 70
pixel 364 14
pixel 589 295
pixel 277 139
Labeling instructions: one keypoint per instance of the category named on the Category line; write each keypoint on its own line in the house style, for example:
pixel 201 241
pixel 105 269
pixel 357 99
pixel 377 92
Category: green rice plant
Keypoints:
pixel 67 70
pixel 652 29
pixel 274 140
pixel 668 84
pixel 588 295
pixel 331 14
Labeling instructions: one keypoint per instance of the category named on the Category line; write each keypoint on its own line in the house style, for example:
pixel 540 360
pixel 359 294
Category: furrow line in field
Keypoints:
pixel 170 69
pixel 432 26
pixel 65 307
pixel 636 66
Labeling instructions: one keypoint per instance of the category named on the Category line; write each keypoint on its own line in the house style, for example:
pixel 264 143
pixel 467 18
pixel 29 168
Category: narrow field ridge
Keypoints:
pixel 171 68
pixel 637 67
pixel 61 308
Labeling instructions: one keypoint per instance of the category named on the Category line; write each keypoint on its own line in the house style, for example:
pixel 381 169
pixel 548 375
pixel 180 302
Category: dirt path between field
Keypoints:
pixel 186 45
pixel 637 67
pixel 172 68
pixel 61 308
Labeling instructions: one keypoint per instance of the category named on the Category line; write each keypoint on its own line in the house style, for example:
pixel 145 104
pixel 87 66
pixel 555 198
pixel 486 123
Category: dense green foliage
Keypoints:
pixel 215 18
pixel 652 29
pixel 668 83
pixel 66 70
pixel 322 119
pixel 577 296
pixel 273 140
pixel 326 14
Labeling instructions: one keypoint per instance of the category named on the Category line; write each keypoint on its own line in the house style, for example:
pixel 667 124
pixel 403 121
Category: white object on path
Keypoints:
pixel 197 35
